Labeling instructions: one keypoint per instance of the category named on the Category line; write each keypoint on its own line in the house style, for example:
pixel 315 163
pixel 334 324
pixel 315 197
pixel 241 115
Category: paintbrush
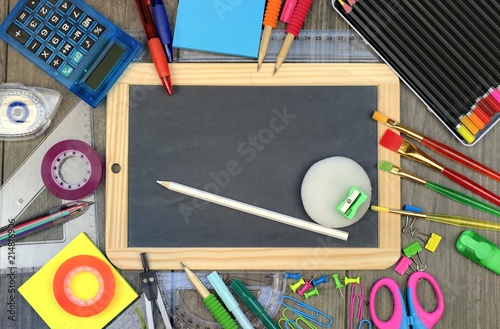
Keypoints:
pixel 443 190
pixel 438 147
pixel 444 219
pixel 398 144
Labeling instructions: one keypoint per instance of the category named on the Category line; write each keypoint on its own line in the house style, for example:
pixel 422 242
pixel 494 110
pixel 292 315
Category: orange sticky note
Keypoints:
pixel 78 288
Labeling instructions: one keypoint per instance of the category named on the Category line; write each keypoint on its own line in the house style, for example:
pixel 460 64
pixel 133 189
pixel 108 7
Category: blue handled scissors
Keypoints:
pixel 417 317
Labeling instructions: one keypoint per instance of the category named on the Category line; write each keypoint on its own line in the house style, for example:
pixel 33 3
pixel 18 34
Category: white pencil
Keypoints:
pixel 254 210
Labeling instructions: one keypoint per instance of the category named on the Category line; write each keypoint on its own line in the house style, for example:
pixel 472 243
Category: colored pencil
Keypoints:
pixel 398 144
pixel 443 190
pixel 444 219
pixel 270 22
pixel 438 147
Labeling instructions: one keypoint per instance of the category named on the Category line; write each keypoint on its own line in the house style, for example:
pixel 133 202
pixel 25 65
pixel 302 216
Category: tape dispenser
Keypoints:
pixel 26 112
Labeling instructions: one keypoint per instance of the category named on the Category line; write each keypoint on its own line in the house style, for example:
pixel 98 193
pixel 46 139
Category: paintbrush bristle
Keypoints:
pixel 379 208
pixel 380 117
pixel 385 166
pixel 391 140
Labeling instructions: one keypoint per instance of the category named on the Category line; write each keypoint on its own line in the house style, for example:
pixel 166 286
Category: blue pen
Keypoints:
pixel 163 27
pixel 228 299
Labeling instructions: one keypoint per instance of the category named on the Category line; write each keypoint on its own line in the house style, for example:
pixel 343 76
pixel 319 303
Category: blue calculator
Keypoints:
pixel 72 42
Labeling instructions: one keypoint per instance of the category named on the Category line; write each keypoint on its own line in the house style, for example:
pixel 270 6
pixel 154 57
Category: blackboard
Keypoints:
pixel 251 143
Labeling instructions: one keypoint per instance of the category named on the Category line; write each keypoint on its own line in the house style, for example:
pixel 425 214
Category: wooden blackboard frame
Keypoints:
pixel 239 74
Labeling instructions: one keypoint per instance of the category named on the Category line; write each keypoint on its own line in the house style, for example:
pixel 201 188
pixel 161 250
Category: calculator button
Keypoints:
pixel 17 33
pixel 67 70
pixel 23 16
pixel 66 49
pixel 65 5
pixel 45 54
pixel 76 35
pixel 56 62
pixel 32 4
pixel 55 40
pixel 44 11
pixel 65 27
pixel 54 19
pixel 76 13
pixel 33 24
pixel 77 57
pixel 34 46
pixel 98 30
pixel 44 32
pixel 87 22
pixel 88 43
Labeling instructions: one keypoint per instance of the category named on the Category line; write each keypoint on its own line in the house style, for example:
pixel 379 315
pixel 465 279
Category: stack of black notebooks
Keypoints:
pixel 446 51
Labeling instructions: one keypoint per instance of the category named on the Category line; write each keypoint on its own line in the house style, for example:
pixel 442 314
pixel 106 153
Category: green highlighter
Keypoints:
pixel 253 304
pixel 479 250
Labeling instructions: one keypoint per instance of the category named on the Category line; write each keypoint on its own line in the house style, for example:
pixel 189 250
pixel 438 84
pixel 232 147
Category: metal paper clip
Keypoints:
pixel 306 311
pixel 352 303
pixel 293 323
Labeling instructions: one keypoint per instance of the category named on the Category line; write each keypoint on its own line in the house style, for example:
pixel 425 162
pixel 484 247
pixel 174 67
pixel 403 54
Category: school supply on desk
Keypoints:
pixel 210 301
pixel 254 210
pixel 26 112
pixel 78 286
pixel 152 295
pixel 262 180
pixel 357 298
pixel 71 169
pixel 292 30
pixel 445 219
pixel 445 51
pixel 155 46
pixel 287 11
pixel 306 311
pixel 403 317
pixel 432 240
pixel 71 42
pixel 228 300
pixel 438 147
pixel 231 28
pixel 163 27
pixel 398 144
pixel 480 250
pixel 16 230
pixel 270 22
pixel 443 190
pixel 22 188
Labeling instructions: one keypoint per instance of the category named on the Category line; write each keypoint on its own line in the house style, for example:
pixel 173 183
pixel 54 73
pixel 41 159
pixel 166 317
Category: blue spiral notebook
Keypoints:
pixel 220 26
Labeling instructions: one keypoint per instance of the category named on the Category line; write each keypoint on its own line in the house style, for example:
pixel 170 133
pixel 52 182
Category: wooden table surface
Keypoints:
pixel 471 293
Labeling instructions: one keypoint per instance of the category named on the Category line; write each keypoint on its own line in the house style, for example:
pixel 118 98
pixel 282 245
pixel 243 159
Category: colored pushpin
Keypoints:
pixel 297 284
pixel 351 280
pixel 313 292
pixel 308 285
pixel 338 284
pixel 321 279
pixel 295 276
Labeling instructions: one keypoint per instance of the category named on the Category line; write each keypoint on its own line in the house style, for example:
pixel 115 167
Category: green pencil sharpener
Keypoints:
pixel 480 250
pixel 355 198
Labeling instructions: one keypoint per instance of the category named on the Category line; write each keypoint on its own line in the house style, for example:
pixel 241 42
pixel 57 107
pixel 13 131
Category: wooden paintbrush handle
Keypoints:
pixel 472 186
pixel 454 155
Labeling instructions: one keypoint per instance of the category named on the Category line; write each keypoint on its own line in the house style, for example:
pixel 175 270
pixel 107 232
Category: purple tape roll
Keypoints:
pixel 71 170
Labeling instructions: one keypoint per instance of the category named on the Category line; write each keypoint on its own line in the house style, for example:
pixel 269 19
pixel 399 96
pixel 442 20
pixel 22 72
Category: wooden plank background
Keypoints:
pixel 471 293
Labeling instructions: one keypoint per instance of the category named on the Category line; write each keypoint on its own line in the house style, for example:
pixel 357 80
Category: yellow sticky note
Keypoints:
pixel 87 284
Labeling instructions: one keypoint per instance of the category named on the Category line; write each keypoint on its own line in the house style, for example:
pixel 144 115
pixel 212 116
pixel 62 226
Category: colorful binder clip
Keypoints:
pixel 402 265
pixel 412 250
pixel 433 239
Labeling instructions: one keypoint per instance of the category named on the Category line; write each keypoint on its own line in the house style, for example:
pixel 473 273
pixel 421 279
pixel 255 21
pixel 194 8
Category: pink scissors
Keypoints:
pixel 417 317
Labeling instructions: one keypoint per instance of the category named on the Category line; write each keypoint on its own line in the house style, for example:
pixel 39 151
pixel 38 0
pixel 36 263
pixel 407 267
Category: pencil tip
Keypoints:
pixel 258 67
pixel 275 70
pixel 183 265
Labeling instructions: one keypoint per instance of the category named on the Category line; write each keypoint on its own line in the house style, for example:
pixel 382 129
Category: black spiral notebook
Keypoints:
pixel 446 51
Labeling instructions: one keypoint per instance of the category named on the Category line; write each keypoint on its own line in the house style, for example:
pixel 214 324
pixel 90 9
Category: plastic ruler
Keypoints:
pixel 328 46
pixel 25 185
pixel 181 298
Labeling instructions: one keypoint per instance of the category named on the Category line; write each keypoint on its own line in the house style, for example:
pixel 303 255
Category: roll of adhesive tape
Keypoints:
pixel 71 170
pixel 20 114
pixel 327 184
pixel 66 291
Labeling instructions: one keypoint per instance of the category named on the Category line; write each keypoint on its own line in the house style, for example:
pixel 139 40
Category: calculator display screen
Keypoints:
pixel 104 67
